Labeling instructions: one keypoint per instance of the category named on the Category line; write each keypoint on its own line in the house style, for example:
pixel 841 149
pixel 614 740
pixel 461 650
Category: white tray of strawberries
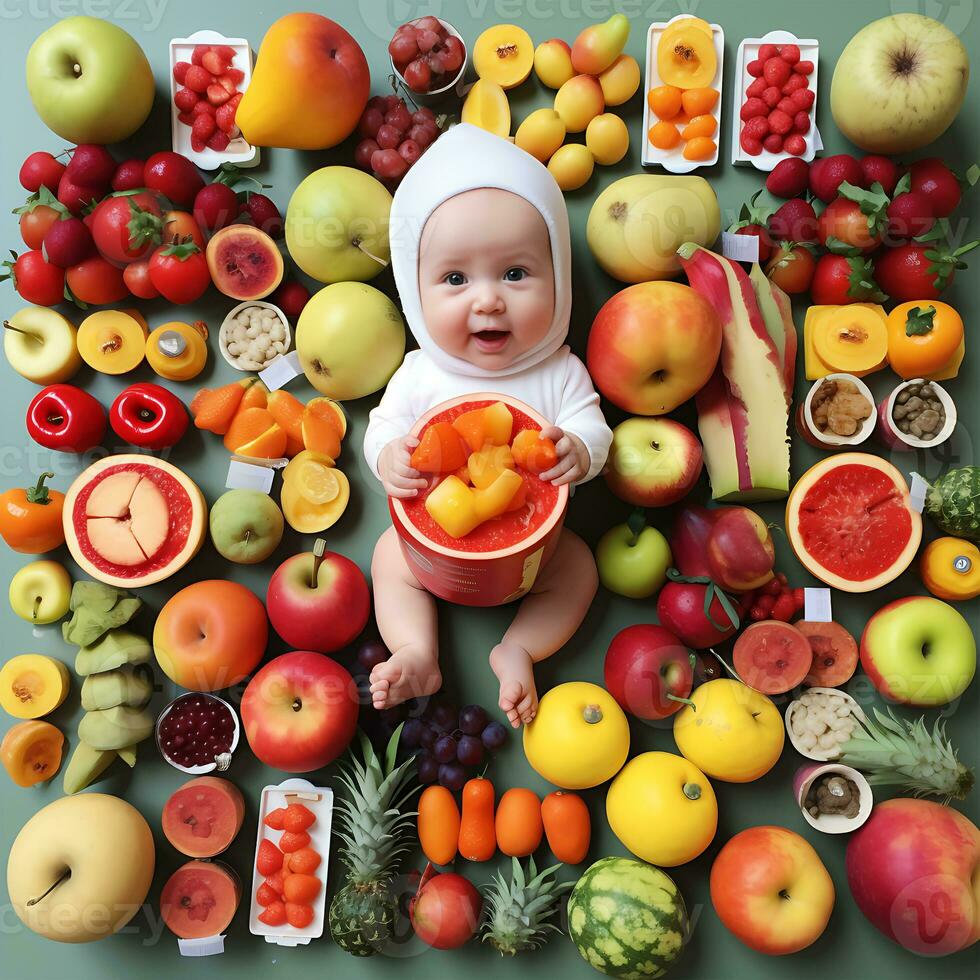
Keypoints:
pixel 208 76
pixel 776 78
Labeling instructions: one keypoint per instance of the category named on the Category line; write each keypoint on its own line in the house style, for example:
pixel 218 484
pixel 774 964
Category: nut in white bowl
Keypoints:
pixel 827 436
pixel 893 437
pixel 820 721
pixel 833 823
pixel 253 335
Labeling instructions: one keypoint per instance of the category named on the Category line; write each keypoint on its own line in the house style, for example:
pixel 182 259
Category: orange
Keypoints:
pixel 665 101
pixel 698 101
pixel 664 135
pixel 700 148
pixel 287 410
pixel 321 427
pixel 699 126
pixel 254 432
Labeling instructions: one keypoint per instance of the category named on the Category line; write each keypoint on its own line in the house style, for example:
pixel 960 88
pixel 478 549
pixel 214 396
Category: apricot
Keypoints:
pixel 541 133
pixel 700 148
pixel 31 752
pixel 113 341
pixel 686 56
pixel 504 54
pixel 698 101
pixel 572 166
pixel 32 685
pixel 665 101
pixel 486 106
pixel 553 63
pixel 704 125
pixel 178 351
pixel 579 101
pixel 620 80
pixel 607 138
pixel 664 135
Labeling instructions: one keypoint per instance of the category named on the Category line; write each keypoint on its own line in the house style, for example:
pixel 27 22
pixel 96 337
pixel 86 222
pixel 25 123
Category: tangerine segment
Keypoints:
pixel 665 101
pixel 287 410
pixel 698 101
pixel 664 135
pixel 703 125
pixel 254 432
pixel 700 148
pixel 256 395
pixel 319 427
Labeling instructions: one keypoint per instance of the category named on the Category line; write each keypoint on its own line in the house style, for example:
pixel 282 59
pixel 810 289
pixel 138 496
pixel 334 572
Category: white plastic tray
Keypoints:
pixel 239 152
pixel 271 798
pixel 748 51
pixel 673 160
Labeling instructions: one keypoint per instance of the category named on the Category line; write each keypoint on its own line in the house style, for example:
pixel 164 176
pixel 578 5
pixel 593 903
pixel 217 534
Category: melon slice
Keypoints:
pixel 203 817
pixel 851 524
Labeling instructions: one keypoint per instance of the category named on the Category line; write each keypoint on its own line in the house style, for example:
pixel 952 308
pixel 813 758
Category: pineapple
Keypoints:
pixel 375 832
pixel 517 910
pixel 903 753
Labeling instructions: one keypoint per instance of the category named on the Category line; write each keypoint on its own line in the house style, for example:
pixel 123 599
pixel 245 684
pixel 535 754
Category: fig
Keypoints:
pixel 244 262
pixel 835 653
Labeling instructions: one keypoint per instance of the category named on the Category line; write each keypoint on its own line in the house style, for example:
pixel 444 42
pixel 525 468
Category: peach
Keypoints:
pixel 541 133
pixel 579 101
pixel 620 80
pixel 553 63
pixel 599 45
pixel 504 54
pixel 607 138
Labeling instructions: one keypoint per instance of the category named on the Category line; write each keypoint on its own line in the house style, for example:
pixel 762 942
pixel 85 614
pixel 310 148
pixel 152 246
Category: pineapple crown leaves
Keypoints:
pixel 895 752
pixel 873 203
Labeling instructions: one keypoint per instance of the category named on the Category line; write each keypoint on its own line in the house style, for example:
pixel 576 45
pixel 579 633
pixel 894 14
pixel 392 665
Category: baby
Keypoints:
pixel 482 259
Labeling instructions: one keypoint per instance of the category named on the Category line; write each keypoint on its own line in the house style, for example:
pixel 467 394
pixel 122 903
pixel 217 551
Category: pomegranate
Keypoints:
pixel 445 911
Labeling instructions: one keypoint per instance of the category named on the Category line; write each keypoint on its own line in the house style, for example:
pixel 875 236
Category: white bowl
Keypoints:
pixel 894 438
pixel 436 95
pixel 818 755
pixel 226 327
pixel 833 823
pixel 829 438
pixel 221 765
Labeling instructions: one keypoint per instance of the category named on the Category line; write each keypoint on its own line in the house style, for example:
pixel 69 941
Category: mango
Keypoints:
pixel 578 102
pixel 553 62
pixel 599 45
pixel 541 133
pixel 485 466
pixel 486 106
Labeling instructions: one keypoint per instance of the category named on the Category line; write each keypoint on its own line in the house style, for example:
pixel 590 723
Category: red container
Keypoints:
pixel 479 578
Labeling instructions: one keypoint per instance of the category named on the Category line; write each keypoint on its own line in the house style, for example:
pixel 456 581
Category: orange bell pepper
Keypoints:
pixel 30 519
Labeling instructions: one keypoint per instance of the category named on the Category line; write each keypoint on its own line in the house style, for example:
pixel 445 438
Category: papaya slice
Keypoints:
pixel 852 339
pixel 835 654
pixel 492 424
pixel 440 450
pixel 686 56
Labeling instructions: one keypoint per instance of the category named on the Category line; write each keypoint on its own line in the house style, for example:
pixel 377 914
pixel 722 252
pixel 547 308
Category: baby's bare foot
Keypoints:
pixel 515 671
pixel 410 672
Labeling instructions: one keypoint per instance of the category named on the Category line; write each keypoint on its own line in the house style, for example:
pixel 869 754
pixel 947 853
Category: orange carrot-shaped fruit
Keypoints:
pixel 518 823
pixel 477 838
pixel 438 824
pixel 567 826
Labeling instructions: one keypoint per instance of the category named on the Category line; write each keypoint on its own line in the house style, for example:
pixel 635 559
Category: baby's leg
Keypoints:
pixel 546 621
pixel 406 616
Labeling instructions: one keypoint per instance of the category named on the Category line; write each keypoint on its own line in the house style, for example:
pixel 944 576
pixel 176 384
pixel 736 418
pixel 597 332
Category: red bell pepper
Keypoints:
pixel 66 418
pixel 148 415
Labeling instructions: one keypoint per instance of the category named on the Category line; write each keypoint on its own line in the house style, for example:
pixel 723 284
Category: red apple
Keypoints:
pixel 300 711
pixel 740 550
pixel 648 671
pixel 913 869
pixel 653 462
pixel 445 911
pixel 770 888
pixel 324 616
pixel 653 345
pixel 680 608
pixel 689 540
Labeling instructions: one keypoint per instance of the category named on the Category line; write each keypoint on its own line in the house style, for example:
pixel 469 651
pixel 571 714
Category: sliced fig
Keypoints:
pixel 835 654
pixel 244 262
pixel 772 657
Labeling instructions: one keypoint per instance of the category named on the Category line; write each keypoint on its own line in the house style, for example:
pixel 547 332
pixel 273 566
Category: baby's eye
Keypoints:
pixel 515 275
pixel 455 279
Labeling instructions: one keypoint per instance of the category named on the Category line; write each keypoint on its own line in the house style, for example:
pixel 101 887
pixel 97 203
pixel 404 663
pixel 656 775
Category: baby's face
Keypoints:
pixel 486 279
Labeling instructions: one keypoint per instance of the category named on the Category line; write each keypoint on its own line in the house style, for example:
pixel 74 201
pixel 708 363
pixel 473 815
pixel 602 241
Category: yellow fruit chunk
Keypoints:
pixel 664 135
pixel 493 500
pixel 686 56
pixel 485 465
pixel 486 106
pixel 620 80
pixel 700 148
pixel 553 62
pixel 503 54
pixel 31 752
pixel 853 339
pixel 32 685
pixel 541 133
pixel 572 166
pixel 480 426
pixel 607 138
pixel 950 569
pixel 314 495
pixel 178 351
pixel 459 509
pixel 113 341
pixel 318 483
pixel 578 102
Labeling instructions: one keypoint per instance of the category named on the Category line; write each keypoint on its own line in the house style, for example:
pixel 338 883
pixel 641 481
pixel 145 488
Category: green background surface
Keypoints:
pixel 851 947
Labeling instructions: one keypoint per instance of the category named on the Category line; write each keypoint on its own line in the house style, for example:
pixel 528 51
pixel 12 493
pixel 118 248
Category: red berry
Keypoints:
pixel 180 70
pixel 773 587
pixel 771 96
pixel 214 63
pixel 786 105
pixel 784 608
pixel 754 68
pixel 780 122
pixel 790 53
pixel 203 127
pixel 765 602
pixel 388 137
pixel 767 51
pixel 801 122
pixel 757 127
pixel 799 598
pixel 773 143
pixel 200 50
pixel 225 51
pixel 403 47
pixel 755 90
pixel 803 99
pixel 803 67
pixel 205 107
pixel 753 107
pixel 227 84
pixel 400 118
pixel 197 144
pixel 795 144
pixel 363 152
pixel 185 99
pixel 418 75
pixel 751 146
pixel 789 178
pixel 776 71
pixel 197 79
pixel 370 122
pixel 424 135
pixel 794 83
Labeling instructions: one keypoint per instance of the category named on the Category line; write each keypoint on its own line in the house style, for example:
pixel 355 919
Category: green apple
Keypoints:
pixel 350 339
pixel 40 344
pixel 89 81
pixel 919 650
pixel 40 591
pixel 633 558
pixel 337 225
pixel 246 526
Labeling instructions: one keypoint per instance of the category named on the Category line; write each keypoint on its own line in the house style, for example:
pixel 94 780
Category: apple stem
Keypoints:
pixel 357 243
pixel 687 701
pixel 7 325
pixel 319 549
pixel 636 522
pixel 37 606
pixel 65 875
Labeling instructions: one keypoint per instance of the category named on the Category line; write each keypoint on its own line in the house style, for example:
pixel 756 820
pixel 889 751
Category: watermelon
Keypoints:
pixel 953 503
pixel 627 919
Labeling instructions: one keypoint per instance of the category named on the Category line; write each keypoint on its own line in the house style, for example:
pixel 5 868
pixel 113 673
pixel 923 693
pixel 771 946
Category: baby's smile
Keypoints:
pixel 491 341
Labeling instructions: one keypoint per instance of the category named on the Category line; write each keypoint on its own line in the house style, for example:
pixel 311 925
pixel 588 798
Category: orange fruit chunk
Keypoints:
pixel 298 916
pixel 699 126
pixel 664 135
pixel 665 101
pixel 492 424
pixel 287 410
pixel 698 101
pixel 304 861
pixel 532 452
pixel 256 395
pixel 320 427
pixel 293 841
pixel 254 432
pixel 700 148
pixel 441 450
pixel 213 408
pixel 301 888
pixel 273 914
pixel 297 817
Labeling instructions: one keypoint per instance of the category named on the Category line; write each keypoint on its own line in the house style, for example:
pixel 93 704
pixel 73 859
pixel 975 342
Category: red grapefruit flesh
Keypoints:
pixel 203 817
pixel 835 654
pixel 199 899
pixel 772 657
pixel 850 522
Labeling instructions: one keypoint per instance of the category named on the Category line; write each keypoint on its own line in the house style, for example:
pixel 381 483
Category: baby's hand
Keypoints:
pixel 394 467
pixel 573 457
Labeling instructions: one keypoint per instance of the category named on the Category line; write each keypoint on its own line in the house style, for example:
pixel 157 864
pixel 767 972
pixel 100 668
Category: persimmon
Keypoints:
pixel 518 823
pixel 567 826
pixel 477 835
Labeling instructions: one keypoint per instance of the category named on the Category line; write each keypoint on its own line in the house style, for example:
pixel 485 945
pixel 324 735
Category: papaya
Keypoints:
pixel 440 450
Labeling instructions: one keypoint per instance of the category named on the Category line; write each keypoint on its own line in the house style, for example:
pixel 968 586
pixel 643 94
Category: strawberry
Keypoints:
pixel 224 51
pixel 794 221
pixel 180 71
pixel 197 79
pixel 780 122
pixel 840 279
pixel 197 144
pixel 767 51
pixel 784 607
pixel 934 179
pixel 225 117
pixel 236 75
pixel 786 104
pixel 880 170
pixel 755 90
pixel 771 96
pixel 921 270
pixel 790 53
pixel 788 178
pixel 218 141
pixel 203 126
pixel 776 71
pixel 803 67
pixel 757 127
pixel 185 99
pixel 773 143
pixel 228 85
pixel 218 94
pixel 200 50
pixel 753 107
pixel 803 99
pixel 214 63
pixel 910 213
pixel 795 144
pixel 828 173
pixel 801 122
pixel 754 68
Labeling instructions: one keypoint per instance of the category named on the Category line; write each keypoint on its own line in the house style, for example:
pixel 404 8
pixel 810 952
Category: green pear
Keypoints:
pixel 85 766
pixel 599 45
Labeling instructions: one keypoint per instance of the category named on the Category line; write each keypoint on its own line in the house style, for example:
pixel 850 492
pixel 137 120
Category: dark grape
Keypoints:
pixel 453 776
pixel 412 733
pixel 494 736
pixel 445 748
pixel 370 654
pixel 428 737
pixel 443 717
pixel 428 769
pixel 473 719
pixel 470 751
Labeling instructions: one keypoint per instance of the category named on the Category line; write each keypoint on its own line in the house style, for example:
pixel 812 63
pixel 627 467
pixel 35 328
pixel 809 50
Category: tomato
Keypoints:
pixel 136 275
pixel 174 176
pixel 97 282
pixel 180 272
pixel 34 224
pixel 934 179
pixel 840 279
pixel 844 220
pixel 180 225
pixel 921 270
pixel 35 280
pixel 127 228
pixel 791 267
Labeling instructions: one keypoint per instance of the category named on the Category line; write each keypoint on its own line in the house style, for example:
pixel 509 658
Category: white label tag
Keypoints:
pixel 205 946
pixel 917 493
pixel 281 371
pixel 816 606
pixel 740 248
pixel 248 476
pixel 817 140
